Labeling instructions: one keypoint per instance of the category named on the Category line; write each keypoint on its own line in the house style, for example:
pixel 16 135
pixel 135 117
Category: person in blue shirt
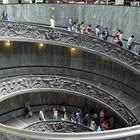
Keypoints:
pixel 4 16
pixel 105 34
pixel 78 118
pixel 69 25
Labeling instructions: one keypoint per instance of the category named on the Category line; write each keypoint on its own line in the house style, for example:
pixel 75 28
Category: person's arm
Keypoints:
pixel 43 116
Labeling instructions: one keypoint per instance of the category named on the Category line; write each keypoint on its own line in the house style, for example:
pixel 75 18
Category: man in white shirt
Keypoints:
pixel 5 1
pixel 97 31
pixel 52 22
pixel 41 115
pixel 55 114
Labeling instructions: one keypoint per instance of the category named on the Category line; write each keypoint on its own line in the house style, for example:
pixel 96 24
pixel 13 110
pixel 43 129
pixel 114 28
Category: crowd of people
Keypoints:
pixel 102 34
pixel 95 121
pixel 99 33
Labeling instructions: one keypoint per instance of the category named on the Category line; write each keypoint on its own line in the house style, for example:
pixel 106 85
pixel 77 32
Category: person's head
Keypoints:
pixel 78 109
pixel 54 109
pixel 74 23
pixel 42 110
pixel 89 25
pixel 102 114
pixel 93 123
pixel 132 36
pixel 119 30
pixel 69 20
pixel 4 13
pixel 52 16
pixel 95 116
pixel 97 26
pixel 26 104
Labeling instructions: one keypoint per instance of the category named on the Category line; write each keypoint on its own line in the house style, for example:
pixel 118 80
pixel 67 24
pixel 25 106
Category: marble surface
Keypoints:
pixel 125 18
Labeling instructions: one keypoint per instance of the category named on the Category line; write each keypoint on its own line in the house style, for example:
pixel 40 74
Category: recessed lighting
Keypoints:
pixel 7 43
pixel 41 45
pixel 73 49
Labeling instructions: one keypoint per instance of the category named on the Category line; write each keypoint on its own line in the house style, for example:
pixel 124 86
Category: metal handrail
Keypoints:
pixel 11 133
pixel 18 31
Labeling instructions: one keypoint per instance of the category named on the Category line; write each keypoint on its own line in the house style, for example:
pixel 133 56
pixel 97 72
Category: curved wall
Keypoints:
pixel 14 107
pixel 115 17
pixel 27 58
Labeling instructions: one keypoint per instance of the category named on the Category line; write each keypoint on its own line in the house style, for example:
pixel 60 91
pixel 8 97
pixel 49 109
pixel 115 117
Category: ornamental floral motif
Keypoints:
pixel 23 84
pixel 58 126
pixel 34 32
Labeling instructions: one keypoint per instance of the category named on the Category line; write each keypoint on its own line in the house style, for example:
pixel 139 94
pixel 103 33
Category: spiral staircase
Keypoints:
pixel 49 66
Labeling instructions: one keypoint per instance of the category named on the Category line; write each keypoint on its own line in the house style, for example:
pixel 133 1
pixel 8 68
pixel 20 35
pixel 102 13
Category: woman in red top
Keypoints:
pixel 105 126
pixel 116 40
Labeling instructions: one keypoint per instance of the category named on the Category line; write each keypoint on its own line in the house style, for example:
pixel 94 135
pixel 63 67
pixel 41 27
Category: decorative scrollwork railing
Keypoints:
pixel 129 133
pixel 57 126
pixel 36 33
pixel 18 85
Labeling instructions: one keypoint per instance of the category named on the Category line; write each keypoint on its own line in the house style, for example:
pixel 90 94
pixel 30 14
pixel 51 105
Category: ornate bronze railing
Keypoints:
pixel 58 126
pixel 41 33
pixel 18 85
pixel 129 133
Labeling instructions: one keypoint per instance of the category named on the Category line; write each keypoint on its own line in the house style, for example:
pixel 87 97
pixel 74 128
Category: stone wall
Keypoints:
pixel 27 58
pixel 115 17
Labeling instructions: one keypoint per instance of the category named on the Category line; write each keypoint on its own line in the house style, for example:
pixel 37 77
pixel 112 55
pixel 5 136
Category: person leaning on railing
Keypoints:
pixel 4 16
pixel 41 115
pixel 130 42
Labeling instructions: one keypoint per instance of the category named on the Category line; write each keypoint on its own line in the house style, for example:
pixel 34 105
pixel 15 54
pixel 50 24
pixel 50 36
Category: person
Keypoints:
pixel 93 126
pixel 117 33
pixel 116 40
pixel 130 42
pixel 55 114
pixel 41 115
pixel 105 126
pixel 97 31
pixel 4 16
pixel 101 118
pixel 78 118
pixel 74 27
pixel 98 129
pixel 78 27
pixel 105 34
pixel 69 25
pixel 5 1
pixel 62 110
pixel 28 111
pixel 86 119
pixel 82 27
pixel 52 22
pixel 72 118
pixel 89 29
pixel 95 118
pixel 120 40
pixel 66 117
pixel 111 123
